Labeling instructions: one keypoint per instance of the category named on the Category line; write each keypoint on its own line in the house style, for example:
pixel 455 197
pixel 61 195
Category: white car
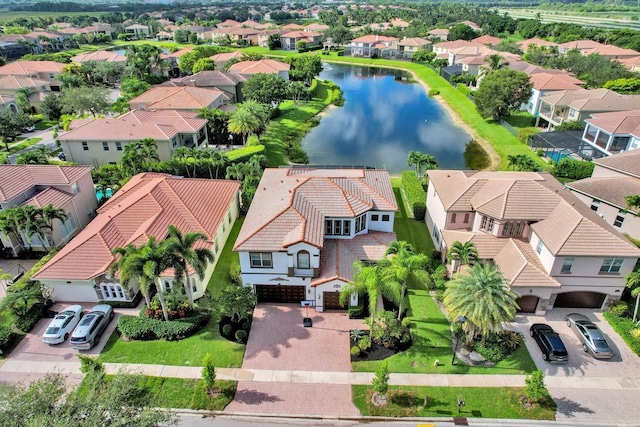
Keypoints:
pixel 61 326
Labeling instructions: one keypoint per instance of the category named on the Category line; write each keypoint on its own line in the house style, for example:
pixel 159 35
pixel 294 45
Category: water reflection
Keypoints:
pixel 384 117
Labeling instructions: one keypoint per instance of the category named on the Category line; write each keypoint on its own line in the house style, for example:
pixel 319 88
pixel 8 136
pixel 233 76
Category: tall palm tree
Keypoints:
pixel 127 268
pixel 466 252
pixel 183 154
pixel 236 171
pixel 183 254
pixel 406 267
pixel 483 297
pixel 369 279
pixel 421 161
pixel 494 62
pixel 243 122
pixel 148 150
pixel 50 213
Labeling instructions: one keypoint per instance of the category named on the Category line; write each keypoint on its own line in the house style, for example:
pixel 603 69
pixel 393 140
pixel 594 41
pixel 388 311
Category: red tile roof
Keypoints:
pixel 144 207
pixel 27 68
pixel 50 196
pixel 178 98
pixel 15 179
pixel 266 66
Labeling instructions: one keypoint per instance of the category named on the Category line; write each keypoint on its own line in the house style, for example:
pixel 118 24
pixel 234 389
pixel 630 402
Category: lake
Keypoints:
pixel 385 116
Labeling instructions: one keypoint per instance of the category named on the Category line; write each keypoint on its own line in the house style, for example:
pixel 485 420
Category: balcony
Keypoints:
pixel 303 272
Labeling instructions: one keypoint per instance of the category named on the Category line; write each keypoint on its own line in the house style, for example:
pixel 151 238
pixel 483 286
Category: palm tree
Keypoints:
pixel 22 99
pixel 236 171
pixel 483 297
pixel 22 300
pixel 182 253
pixel 421 161
pixel 369 279
pixel 494 62
pixel 183 154
pixel 243 122
pixel 148 150
pixel 633 201
pixel 465 252
pixel 406 266
pixel 49 213
pixel 413 159
pixel 126 268
pixel 633 283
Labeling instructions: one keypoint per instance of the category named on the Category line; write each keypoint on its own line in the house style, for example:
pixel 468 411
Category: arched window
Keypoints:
pixel 167 285
pixel 13 108
pixel 304 260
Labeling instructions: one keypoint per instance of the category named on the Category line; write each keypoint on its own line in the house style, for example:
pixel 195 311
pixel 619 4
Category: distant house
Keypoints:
pixel 612 52
pixel 306 227
pixel 179 98
pixel 221 59
pixel 438 34
pixel 263 36
pixel 486 39
pixel 448 46
pixel 144 207
pixel 230 83
pixel 101 141
pixel 100 56
pixel 545 83
pixel 263 66
pixel 581 45
pixel 613 179
pixel 317 28
pixel 611 133
pixel 406 47
pixel 37 89
pixel 41 70
pixel 524 45
pixel 8 101
pixel 290 40
pixel 293 27
pixel 67 187
pixel 370 45
pixel 138 31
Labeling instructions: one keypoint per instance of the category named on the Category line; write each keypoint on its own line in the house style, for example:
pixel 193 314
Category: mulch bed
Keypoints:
pixel 376 351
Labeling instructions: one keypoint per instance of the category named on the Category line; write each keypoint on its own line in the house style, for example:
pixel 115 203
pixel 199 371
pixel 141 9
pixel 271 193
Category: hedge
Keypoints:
pixel 574 169
pixel 6 338
pixel 143 328
pixel 244 153
pixel 623 326
pixel 415 194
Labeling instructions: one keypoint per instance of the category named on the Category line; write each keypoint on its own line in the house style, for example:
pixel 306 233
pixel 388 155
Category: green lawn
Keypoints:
pixel 21 144
pixel 480 402
pixel 45 124
pixel 220 278
pixel 409 229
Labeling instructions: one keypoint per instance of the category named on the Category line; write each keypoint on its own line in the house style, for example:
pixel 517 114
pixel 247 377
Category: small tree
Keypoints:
pixel 380 383
pixel 209 373
pixel 534 388
pixel 236 302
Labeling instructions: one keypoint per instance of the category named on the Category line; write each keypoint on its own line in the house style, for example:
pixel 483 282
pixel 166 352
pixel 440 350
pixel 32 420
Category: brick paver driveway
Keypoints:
pixel 278 341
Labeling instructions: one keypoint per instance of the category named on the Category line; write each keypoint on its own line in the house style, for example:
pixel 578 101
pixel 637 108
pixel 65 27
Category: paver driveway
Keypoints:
pixel 279 341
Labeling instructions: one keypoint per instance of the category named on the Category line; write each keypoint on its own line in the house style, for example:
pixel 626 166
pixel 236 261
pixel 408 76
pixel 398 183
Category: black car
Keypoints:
pixel 552 347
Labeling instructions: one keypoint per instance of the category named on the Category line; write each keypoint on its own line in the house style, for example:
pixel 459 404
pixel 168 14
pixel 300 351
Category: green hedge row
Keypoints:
pixel 143 328
pixel 574 169
pixel 415 194
pixel 623 326
pixel 243 154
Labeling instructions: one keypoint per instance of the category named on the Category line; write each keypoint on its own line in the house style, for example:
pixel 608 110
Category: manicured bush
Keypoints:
pixel 434 92
pixel 90 364
pixel 535 389
pixel 364 343
pixel 253 140
pixel 419 210
pixel 6 337
pixel 244 154
pixel 387 330
pixel 440 276
pixel 227 330
pixel 498 346
pixel 414 192
pixel 355 351
pixel 241 336
pixel 26 322
pixel 234 273
pixel 623 326
pixel 619 308
pixel 356 311
pixel 141 328
pixel 572 168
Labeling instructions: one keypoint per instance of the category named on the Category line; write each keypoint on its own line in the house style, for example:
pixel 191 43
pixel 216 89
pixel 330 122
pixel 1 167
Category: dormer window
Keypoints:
pixel 337 227
pixel 361 222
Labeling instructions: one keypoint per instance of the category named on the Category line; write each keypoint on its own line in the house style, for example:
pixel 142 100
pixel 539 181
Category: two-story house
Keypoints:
pixel 100 141
pixel 67 187
pixel 41 70
pixel 406 47
pixel 552 249
pixel 306 227
pixel 613 179
pixel 36 88
pixel 144 207
pixel 581 45
pixel 138 31
pixel 290 40
pixel 369 45
pixel 611 133
pixel 229 83
pixel 545 83
pixel 187 98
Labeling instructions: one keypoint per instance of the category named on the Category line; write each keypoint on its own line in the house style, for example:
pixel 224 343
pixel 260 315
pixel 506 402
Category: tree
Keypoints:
pixel 209 373
pixel 22 99
pixel 243 122
pixel 186 62
pixel 20 301
pixel 51 107
pixel 339 34
pixel 462 32
pixel 82 99
pixel 126 269
pixel 633 201
pixel 236 302
pixel 304 67
pixel 217 122
pixel 483 297
pixel 144 60
pixel 494 62
pixel 183 254
pixel 534 388
pixel 37 156
pixel 50 213
pixel 296 91
pixel 269 89
pixel 203 64
pixel 502 91
pixel 624 85
pixel 274 42
pixel 465 252
pixel 421 160
pixel 139 156
pixel 380 380
pixel 423 56
pixel 12 124
pixel 406 267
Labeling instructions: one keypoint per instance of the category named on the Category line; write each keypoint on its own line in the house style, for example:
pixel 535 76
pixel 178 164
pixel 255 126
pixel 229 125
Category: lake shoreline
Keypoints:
pixel 494 158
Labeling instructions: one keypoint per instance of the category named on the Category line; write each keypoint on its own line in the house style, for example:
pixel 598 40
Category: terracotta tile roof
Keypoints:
pixel 372 38
pixel 18 82
pixel 457 44
pixel 487 245
pixel 612 51
pixel 239 31
pixel 597 100
pixel 179 53
pixel 267 66
pixel 439 32
pixel 299 34
pixel 178 98
pixel 226 56
pixel 16 179
pixel 135 125
pixel 546 81
pixel 27 68
pixel 49 196
pixel 487 39
pixel 627 122
pixel 293 27
pixel 581 45
pixel 316 27
pixel 290 205
pixel 520 266
pixel 510 200
pixel 338 255
pixel 211 78
pixel 612 190
pixel 627 162
pixel 99 56
pixel 144 207
pixel 228 23
pixel 413 41
pixel 524 44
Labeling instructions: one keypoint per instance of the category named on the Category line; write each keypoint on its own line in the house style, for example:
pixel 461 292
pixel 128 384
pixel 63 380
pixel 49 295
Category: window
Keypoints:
pixel 85 146
pixel 490 225
pixel 375 217
pixel 466 218
pixel 453 218
pixel 436 234
pixel 566 265
pixel 194 285
pixel 611 265
pixel 361 223
pixel 105 146
pixel 304 260
pixel 119 146
pixel 505 229
pixel 619 219
pixel 483 224
pixel 260 259
pixel 167 286
pixel 75 187
pixel 385 218
pixel 337 227
pixel 216 246
pixel 346 228
pixel 228 217
pixel 595 205
pixel 539 247
pixel 50 75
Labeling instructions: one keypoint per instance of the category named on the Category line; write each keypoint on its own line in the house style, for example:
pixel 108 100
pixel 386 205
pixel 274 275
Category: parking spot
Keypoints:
pixel 624 363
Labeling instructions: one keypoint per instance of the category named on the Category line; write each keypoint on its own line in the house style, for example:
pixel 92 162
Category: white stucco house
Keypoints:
pixel 307 226
pixel 551 248
pixel 144 207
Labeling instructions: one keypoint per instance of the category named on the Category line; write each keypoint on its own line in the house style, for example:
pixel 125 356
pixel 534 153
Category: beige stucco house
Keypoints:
pixel 187 98
pixel 40 70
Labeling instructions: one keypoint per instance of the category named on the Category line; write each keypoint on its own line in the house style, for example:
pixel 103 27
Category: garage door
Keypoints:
pixel 274 293
pixel 580 300
pixel 332 301
pixel 527 304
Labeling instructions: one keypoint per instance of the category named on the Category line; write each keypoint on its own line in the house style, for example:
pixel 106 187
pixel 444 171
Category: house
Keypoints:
pixel 263 66
pixel 138 31
pixel 578 105
pixel 545 83
pixel 406 47
pixel 551 248
pixel 307 226
pixel 179 98
pixel 221 59
pixel 228 23
pixel 144 207
pixel 293 27
pixel 448 46
pixel 582 45
pixel 41 70
pixel 438 34
pixel 240 33
pixel 316 28
pixel 612 52
pixel 399 23
pixel 263 36
pixel 101 141
pixel 230 83
pixel 67 187
pixel 524 44
pixel 473 25
pixel 37 89
pixel 12 50
pixel 100 56
pixel 611 133
pixel 613 179
pixel 632 64
pixel 290 40
pixel 369 45
pixel 8 101
pixel 486 39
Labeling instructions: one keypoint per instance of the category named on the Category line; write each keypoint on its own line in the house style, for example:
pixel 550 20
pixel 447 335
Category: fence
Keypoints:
pixel 510 128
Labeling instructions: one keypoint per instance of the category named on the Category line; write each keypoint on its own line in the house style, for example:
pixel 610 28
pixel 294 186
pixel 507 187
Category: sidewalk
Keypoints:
pixel 314 377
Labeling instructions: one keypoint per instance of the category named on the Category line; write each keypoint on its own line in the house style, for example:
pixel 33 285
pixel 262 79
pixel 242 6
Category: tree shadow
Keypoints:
pixel 406 400
pixel 569 408
pixel 254 397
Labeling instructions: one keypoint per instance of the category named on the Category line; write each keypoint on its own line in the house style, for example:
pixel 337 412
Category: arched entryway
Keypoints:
pixel 527 303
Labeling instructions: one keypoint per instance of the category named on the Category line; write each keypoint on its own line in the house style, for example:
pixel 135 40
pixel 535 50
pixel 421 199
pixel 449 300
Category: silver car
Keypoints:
pixel 88 332
pixel 592 339
pixel 62 324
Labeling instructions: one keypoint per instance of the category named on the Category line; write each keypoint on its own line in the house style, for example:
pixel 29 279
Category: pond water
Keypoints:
pixel 385 116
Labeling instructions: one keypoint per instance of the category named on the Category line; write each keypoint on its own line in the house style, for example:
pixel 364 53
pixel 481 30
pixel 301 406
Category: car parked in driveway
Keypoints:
pixel 88 332
pixel 592 339
pixel 550 343
pixel 62 325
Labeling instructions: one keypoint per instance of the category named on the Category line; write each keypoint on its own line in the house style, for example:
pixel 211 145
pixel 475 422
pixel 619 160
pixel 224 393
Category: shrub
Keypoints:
pixel 236 302
pixel 253 141
pixel 357 311
pixel 623 326
pixel 539 152
pixel 406 322
pixel 6 338
pixel 381 379
pixel 413 190
pixel 208 372
pixel 433 92
pixel 234 274
pixel 635 333
pixel 534 388
pixel 245 325
pixel 355 351
pixel 364 343
pixel 26 322
pixel 141 328
pixel 498 346
pixel 90 365
pixel 440 276
pixel 227 330
pixel 619 308
pixel 241 336
pixel 419 210
pixel 525 135
pixel 244 154
pixel 388 331
pixel 572 168
pixel 356 334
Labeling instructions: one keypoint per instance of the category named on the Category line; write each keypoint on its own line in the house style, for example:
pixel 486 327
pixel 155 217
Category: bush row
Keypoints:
pixel 572 168
pixel 244 154
pixel 7 337
pixel 415 194
pixel 141 328
pixel 623 326
pixel 336 94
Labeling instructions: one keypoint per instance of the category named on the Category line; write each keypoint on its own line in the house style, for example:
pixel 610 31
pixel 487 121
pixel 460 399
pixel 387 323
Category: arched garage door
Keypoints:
pixel 527 304
pixel 580 300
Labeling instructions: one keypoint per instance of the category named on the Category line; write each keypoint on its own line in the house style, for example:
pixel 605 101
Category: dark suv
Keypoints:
pixel 552 347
